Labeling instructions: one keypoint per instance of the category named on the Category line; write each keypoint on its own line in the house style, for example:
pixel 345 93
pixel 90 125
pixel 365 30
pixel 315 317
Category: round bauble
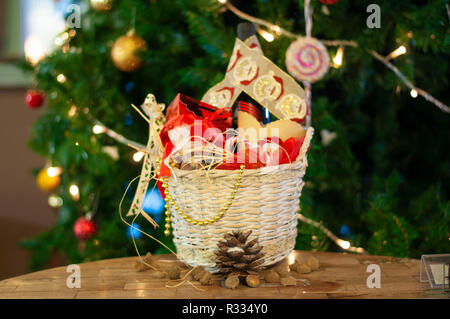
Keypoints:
pixel 328 1
pixel 46 182
pixel 84 228
pixel 126 50
pixel 307 59
pixel 101 5
pixel 34 99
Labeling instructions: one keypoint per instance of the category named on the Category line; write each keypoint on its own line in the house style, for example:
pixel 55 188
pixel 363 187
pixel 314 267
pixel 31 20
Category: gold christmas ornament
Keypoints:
pixel 125 52
pixel 101 5
pixel 47 182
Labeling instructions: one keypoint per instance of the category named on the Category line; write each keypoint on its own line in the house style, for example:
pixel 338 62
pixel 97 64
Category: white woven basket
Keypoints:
pixel 267 203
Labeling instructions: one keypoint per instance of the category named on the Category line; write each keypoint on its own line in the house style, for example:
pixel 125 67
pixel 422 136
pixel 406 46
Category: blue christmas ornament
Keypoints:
pixel 345 231
pixel 153 204
pixel 129 86
pixel 128 119
pixel 133 231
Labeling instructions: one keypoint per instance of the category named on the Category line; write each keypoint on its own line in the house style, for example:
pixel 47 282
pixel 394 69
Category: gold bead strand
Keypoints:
pixel 167 198
pixel 171 202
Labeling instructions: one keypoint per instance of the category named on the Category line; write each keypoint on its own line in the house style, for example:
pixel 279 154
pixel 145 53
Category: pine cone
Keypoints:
pixel 237 255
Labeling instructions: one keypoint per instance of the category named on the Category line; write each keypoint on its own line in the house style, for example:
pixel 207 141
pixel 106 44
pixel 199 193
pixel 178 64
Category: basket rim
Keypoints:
pixel 298 164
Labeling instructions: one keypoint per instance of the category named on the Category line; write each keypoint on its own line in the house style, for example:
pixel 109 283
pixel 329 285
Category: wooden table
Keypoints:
pixel 340 276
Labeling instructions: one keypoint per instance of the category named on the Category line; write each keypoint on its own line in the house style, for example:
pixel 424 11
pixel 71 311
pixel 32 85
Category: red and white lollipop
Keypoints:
pixel 307 59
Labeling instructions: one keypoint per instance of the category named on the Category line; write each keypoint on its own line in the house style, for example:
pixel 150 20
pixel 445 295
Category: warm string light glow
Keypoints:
pixel 137 157
pixel 222 1
pixel 55 201
pixel 344 244
pixel 276 29
pixel 74 191
pixel 34 51
pixel 413 93
pixel 54 171
pixel 269 37
pixel 98 129
pixel 399 51
pixel 337 60
pixel 72 111
pixel 61 78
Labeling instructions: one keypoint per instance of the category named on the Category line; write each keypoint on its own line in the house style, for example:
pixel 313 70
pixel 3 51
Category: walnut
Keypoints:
pixel 173 272
pixel 303 268
pixel 282 270
pixel 142 265
pixel 206 278
pixel 232 282
pixel 313 263
pixel 271 276
pixel 252 281
pixel 197 272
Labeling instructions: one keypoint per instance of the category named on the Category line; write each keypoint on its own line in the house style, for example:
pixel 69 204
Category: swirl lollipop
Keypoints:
pixel 307 59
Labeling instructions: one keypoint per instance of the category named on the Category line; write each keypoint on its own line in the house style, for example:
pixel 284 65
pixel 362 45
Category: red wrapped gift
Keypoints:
pixel 185 110
pixel 203 123
pixel 202 119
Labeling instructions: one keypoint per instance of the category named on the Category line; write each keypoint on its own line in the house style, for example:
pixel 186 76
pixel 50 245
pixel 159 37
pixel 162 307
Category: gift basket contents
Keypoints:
pixel 230 167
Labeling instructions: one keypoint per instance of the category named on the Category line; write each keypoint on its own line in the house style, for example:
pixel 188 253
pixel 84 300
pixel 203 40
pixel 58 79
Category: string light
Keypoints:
pixel 399 51
pixel 137 157
pixel 337 60
pixel 269 37
pixel 276 29
pixel 54 171
pixel 72 111
pixel 222 1
pixel 413 93
pixel 98 129
pixel 344 244
pixel 61 78
pixel 58 41
pixel 55 201
pixel 65 36
pixel 74 191
pixel 34 51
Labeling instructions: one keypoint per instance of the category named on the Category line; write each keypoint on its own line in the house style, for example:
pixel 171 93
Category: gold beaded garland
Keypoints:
pixel 171 202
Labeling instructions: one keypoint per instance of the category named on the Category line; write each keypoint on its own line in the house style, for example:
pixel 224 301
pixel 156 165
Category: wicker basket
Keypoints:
pixel 267 202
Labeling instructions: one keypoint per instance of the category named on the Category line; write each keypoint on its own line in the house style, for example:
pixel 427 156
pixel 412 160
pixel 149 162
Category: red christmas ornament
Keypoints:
pixel 84 228
pixel 34 99
pixel 328 1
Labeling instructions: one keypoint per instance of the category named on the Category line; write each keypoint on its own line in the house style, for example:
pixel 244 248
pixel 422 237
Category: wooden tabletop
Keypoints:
pixel 340 276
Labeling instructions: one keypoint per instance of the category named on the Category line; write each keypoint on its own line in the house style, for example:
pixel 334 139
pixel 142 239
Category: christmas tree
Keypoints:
pixel 378 165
